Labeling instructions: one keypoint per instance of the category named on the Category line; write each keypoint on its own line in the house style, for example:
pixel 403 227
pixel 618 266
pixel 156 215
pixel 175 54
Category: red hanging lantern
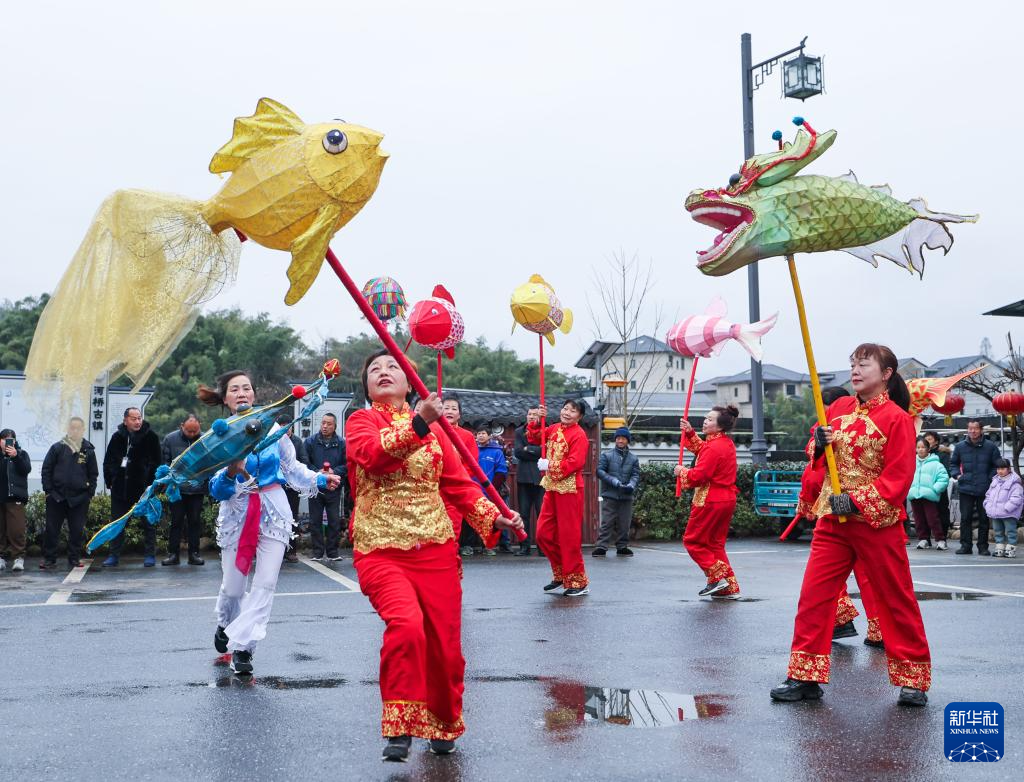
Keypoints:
pixel 953 404
pixel 1010 404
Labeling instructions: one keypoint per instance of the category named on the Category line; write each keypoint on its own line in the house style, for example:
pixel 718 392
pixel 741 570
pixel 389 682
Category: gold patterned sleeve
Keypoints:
pixel 694 443
pixel 400 440
pixel 873 507
pixel 481 518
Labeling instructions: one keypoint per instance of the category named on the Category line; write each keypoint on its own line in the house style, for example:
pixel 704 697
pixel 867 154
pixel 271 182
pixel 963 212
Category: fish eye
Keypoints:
pixel 335 142
pixel 734 180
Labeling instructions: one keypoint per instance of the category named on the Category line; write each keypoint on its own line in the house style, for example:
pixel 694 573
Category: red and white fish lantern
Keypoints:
pixel 434 323
pixel 705 335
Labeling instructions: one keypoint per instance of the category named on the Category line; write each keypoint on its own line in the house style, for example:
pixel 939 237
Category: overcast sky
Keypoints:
pixel 535 137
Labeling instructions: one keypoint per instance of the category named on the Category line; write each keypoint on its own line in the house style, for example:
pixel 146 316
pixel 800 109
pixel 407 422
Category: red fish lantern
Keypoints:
pixel 953 404
pixel 1010 404
pixel 434 323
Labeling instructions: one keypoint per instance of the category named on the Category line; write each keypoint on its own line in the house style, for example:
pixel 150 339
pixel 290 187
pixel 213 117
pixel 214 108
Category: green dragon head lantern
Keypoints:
pixel 766 210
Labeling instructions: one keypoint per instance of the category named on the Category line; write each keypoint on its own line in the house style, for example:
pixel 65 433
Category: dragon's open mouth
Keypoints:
pixel 731 220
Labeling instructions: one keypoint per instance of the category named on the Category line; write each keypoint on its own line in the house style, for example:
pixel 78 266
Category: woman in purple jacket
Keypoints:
pixel 1004 501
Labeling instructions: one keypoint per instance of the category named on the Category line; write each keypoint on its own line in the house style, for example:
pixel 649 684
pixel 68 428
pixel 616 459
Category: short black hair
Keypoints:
pixel 129 409
pixel 578 405
pixel 332 415
pixel 1003 463
pixel 483 426
pixel 366 368
pixel 284 419
pixel 451 396
pixel 975 421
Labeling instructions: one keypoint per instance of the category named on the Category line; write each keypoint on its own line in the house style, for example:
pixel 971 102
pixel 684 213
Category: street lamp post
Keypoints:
pixel 802 79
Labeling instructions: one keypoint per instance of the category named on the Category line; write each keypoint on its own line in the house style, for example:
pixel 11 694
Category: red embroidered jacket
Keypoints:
pixel 470 442
pixel 874 448
pixel 713 475
pixel 811 481
pixel 567 448
pixel 402 482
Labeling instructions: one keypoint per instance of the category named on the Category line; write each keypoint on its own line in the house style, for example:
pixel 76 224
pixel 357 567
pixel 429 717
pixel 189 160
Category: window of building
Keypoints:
pixel 790 389
pixel 670 384
pixel 735 392
pixel 632 385
pixel 632 363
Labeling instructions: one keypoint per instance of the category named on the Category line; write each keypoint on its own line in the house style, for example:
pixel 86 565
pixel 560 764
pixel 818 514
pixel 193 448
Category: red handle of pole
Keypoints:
pixel 686 414
pixel 418 385
pixel 439 373
pixel 793 523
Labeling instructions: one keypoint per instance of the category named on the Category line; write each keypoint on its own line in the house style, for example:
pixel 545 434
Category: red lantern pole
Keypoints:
pixel 544 423
pixel 686 415
pixel 392 347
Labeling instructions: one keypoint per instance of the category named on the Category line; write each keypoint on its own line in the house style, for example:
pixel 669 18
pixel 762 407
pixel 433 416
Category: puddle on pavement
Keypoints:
pixel 95 595
pixel 942 595
pixel 272 682
pixel 573 704
pixel 302 657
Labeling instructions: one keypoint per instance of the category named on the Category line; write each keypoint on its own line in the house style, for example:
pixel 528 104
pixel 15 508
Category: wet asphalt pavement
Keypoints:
pixel 115 677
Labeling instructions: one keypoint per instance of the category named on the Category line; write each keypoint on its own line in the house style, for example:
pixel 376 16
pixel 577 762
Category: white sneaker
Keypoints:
pixel 3 564
pixel 998 552
pixel 941 545
pixel 1010 552
pixel 924 544
pixel 19 565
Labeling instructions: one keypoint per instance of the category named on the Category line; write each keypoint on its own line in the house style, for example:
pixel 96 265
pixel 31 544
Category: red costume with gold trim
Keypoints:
pixel 470 442
pixel 560 521
pixel 874 449
pixel 713 480
pixel 811 482
pixel 408 564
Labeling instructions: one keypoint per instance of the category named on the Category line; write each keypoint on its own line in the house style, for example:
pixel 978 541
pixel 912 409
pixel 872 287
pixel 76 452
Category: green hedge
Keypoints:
pixel 99 514
pixel 659 515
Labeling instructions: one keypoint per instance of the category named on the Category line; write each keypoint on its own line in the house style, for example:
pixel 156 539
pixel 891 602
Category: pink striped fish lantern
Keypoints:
pixel 705 335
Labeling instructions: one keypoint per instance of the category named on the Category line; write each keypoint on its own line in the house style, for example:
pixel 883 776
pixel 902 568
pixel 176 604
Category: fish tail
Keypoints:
pixel 566 323
pixel 749 335
pixel 107 533
pixel 131 292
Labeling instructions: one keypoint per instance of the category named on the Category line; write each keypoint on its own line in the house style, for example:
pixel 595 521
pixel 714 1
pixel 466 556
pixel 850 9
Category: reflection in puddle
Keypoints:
pixel 576 704
pixel 272 682
pixel 942 595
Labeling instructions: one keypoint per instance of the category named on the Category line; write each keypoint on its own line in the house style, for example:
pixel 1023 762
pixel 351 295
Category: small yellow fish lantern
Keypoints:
pixel 149 260
pixel 536 308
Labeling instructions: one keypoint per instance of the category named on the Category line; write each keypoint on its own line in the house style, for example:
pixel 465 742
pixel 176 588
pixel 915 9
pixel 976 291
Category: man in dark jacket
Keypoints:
pixel 188 511
pixel 15 465
pixel 326 448
pixel 972 464
pixel 619 472
pixel 529 491
pixel 70 475
pixel 129 466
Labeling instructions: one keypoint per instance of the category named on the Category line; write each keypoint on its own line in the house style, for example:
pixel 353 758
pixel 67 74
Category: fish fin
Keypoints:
pixel 550 337
pixel 271 124
pixel 450 353
pixel 849 176
pixel 308 252
pixel 920 206
pixel 716 349
pixel 749 335
pixel 799 147
pixel 566 323
pixel 883 189
pixel 440 292
pixel 926 391
pixel 537 278
pixel 717 308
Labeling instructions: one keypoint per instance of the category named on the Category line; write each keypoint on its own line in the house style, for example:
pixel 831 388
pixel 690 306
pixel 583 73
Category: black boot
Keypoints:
pixel 241 662
pixel 911 696
pixel 172 559
pixel 793 690
pixel 220 640
pixel 442 746
pixel 879 644
pixel 397 749
pixel 195 559
pixel 846 630
pixel 524 551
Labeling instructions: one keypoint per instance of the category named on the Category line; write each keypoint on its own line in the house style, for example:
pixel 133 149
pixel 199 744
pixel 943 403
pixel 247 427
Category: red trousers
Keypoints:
pixel 560 537
pixel 704 539
pixel 882 553
pixel 418 594
pixel 846 611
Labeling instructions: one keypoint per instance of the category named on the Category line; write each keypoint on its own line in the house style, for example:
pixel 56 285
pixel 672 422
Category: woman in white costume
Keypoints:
pixel 255 522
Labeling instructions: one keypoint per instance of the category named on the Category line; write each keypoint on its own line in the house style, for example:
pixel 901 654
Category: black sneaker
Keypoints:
pixel 195 559
pixel 241 662
pixel 874 644
pixel 524 551
pixel 220 640
pixel 793 690
pixel 553 586
pixel 442 746
pixel 397 749
pixel 713 589
pixel 624 552
pixel 911 696
pixel 599 551
pixel 171 560
pixel 576 591
pixel 983 552
pixel 846 630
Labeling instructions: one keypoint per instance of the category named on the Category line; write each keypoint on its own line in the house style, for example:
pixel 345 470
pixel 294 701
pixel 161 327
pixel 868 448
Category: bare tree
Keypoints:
pixel 1008 375
pixel 623 289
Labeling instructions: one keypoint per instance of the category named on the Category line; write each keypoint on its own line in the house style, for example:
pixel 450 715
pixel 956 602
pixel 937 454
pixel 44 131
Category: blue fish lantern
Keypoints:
pixel 227 440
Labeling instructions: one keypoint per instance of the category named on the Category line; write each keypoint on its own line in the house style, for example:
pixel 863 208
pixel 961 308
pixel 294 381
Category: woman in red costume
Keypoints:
pixel 402 470
pixel 560 521
pixel 713 480
pixel 810 488
pixel 873 438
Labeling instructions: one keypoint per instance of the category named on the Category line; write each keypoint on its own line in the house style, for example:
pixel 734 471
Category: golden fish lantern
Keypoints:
pixel 615 401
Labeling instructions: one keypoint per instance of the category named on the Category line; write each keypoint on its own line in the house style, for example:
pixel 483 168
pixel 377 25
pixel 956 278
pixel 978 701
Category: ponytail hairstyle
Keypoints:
pixel 832 393
pixel 215 396
pixel 727 415
pixel 896 386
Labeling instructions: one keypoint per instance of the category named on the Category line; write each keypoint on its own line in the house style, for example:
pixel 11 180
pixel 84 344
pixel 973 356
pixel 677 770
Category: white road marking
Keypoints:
pixel 322 569
pixel 994 564
pixel 67 586
pixel 969 589
pixel 168 599
pixel 731 553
